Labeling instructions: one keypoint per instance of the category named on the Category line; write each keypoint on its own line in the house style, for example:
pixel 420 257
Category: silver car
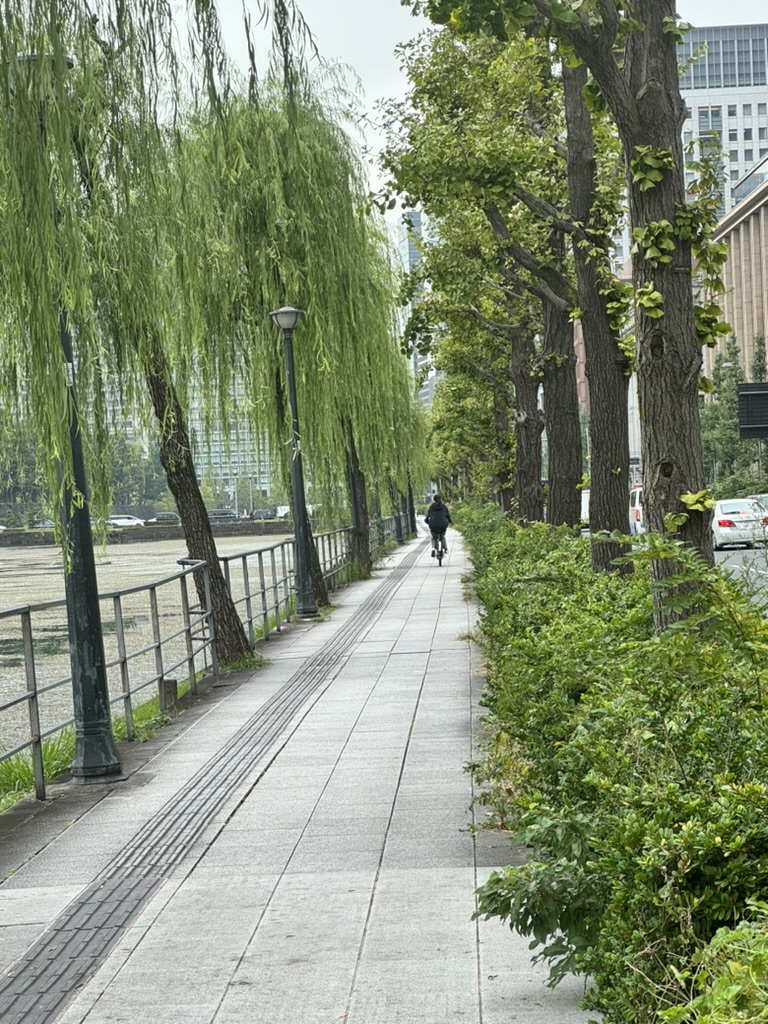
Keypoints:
pixel 739 521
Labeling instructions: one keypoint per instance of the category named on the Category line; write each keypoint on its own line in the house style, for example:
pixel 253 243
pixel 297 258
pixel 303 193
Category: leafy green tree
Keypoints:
pixel 631 51
pixel 732 464
pixel 451 149
pixel 759 367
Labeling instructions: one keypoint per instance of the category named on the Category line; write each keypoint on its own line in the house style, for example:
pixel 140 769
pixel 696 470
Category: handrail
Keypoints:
pixel 147 646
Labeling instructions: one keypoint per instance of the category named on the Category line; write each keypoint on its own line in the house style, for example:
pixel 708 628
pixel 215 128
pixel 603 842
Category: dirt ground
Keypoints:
pixel 31 574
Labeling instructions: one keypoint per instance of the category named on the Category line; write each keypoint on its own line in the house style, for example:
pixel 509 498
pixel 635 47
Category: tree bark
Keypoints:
pixel 358 500
pixel 643 95
pixel 668 349
pixel 561 408
pixel 607 367
pixel 176 457
pixel 319 587
pixel 529 426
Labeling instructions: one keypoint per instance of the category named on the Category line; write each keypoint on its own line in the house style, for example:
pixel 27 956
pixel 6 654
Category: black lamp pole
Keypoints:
pixel 95 751
pixel 286 319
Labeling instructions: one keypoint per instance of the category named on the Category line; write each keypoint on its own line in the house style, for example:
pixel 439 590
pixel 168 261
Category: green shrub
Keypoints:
pixel 644 759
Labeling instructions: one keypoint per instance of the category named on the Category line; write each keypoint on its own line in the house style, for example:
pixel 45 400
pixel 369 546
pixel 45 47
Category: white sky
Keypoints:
pixel 364 33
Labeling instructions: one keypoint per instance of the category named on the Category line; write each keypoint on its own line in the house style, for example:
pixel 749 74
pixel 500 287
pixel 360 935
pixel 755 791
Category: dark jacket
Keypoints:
pixel 438 517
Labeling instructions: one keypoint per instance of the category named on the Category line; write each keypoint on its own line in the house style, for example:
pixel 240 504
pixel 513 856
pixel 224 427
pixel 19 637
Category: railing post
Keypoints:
pixel 248 608
pixel 264 604
pixel 288 578
pixel 122 657
pixel 191 671
pixel 38 766
pixel 159 671
pixel 209 619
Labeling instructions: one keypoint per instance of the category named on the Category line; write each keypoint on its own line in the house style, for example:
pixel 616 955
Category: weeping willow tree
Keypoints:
pixel 165 264
pixel 287 223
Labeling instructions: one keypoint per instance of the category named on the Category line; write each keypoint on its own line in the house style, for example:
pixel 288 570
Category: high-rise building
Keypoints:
pixel 422 366
pixel 725 87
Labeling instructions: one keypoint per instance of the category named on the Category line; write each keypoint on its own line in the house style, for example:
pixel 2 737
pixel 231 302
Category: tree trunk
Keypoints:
pixel 607 367
pixel 529 425
pixel 176 457
pixel 643 94
pixel 358 500
pixel 561 416
pixel 668 349
pixel 319 588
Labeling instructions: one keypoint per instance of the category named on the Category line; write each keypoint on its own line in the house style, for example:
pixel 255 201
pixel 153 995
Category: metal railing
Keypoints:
pixel 152 634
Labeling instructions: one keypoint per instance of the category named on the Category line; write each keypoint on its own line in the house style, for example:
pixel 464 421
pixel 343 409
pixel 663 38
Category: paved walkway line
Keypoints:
pixel 300 853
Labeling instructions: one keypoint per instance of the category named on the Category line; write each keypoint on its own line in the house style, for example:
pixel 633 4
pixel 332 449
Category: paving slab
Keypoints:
pixel 324 873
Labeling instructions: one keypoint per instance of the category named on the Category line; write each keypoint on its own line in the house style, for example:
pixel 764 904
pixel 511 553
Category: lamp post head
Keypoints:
pixel 287 317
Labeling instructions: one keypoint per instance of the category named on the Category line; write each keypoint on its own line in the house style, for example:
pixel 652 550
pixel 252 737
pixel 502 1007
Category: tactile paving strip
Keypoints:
pixel 37 986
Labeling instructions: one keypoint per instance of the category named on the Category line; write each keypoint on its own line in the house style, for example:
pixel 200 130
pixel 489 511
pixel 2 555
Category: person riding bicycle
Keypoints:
pixel 437 519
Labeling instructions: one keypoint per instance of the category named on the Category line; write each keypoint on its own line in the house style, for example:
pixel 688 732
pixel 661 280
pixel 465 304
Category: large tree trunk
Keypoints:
pixel 607 367
pixel 176 457
pixel 319 587
pixel 529 425
pixel 668 349
pixel 358 501
pixel 504 483
pixel 644 97
pixel 561 416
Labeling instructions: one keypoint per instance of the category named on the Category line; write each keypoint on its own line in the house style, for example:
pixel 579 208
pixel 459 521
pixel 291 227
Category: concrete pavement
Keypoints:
pixel 295 848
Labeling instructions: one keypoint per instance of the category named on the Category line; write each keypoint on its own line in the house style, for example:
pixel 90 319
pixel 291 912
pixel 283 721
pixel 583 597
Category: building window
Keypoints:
pixel 747 134
pixel 746 110
pixel 762 133
pixel 762 109
pixel 733 135
pixel 733 156
pixel 748 157
pixel 734 175
pixel 731 110
pixel 763 152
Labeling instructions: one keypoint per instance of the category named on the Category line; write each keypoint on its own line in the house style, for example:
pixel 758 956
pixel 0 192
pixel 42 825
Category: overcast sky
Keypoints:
pixel 364 34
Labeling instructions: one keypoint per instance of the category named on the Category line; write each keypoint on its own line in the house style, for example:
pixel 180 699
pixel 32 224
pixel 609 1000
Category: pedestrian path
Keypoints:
pixel 296 849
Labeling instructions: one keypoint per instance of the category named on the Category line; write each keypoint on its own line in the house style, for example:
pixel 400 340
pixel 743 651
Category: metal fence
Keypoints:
pixel 153 633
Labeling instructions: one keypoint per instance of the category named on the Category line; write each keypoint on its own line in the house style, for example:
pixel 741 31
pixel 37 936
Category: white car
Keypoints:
pixel 739 521
pixel 636 513
pixel 124 521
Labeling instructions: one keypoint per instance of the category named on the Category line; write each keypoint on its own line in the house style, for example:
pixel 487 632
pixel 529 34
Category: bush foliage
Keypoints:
pixel 641 769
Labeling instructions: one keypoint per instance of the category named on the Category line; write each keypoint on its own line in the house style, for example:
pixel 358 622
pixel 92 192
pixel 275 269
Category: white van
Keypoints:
pixel 636 513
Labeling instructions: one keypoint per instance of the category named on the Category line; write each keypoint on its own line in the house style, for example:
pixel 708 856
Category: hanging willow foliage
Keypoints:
pixel 152 228
pixel 288 224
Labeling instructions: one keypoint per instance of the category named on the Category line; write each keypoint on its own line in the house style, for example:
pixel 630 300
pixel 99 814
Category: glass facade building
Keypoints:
pixel 725 87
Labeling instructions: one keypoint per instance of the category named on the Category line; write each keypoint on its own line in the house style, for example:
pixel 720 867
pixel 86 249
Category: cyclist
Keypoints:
pixel 437 519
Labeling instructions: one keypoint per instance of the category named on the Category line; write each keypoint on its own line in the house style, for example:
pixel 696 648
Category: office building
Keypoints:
pixel 726 92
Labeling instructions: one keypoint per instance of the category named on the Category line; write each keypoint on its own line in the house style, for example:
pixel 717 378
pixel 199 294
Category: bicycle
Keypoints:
pixel 439 547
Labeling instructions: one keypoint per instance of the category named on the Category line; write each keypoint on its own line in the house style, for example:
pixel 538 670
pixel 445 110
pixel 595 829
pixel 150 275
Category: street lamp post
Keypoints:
pixel 95 752
pixel 286 319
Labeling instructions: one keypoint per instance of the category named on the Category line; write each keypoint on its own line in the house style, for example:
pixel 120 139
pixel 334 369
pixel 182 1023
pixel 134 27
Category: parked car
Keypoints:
pixel 264 513
pixel 166 518
pixel 125 521
pixel 636 513
pixel 739 521
pixel 223 515
pixel 42 524
pixel 762 498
